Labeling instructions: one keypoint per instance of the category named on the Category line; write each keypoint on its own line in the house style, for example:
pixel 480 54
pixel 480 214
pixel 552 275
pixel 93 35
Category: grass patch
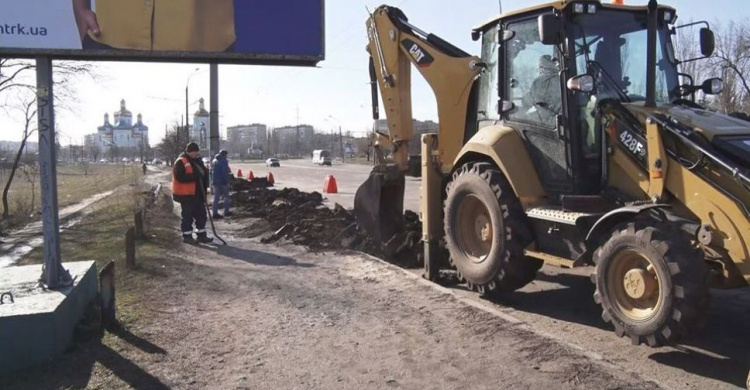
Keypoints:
pixel 100 236
pixel 75 182
pixel 111 360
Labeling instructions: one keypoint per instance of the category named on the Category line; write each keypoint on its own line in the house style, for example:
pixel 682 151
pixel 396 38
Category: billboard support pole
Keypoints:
pixel 187 118
pixel 54 276
pixel 215 140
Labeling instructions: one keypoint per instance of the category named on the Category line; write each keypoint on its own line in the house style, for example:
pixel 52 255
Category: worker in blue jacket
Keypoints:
pixel 220 174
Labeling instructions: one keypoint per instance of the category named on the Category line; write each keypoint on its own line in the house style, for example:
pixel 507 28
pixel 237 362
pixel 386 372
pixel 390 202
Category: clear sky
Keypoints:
pixel 337 88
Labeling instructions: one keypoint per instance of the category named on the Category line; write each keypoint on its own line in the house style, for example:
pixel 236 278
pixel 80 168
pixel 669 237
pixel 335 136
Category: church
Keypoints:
pixel 121 133
pixel 201 127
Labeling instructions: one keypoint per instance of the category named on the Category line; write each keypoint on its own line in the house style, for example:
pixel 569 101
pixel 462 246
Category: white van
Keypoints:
pixel 321 157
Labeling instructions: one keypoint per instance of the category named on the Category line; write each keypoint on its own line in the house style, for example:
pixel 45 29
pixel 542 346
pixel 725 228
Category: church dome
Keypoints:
pixel 202 109
pixel 123 110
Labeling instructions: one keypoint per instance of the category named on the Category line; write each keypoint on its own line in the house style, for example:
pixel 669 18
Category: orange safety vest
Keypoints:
pixel 180 188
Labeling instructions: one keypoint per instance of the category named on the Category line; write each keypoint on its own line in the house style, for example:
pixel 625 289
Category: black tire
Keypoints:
pixel 678 271
pixel 502 267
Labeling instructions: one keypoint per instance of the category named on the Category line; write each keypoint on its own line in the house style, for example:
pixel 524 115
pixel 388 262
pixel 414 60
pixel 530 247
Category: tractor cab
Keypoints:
pixel 551 67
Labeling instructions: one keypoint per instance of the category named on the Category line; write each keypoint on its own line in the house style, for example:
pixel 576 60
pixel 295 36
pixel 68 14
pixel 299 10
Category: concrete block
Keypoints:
pixel 39 326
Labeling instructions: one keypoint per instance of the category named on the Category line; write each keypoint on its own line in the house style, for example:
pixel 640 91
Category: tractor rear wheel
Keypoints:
pixel 486 231
pixel 650 283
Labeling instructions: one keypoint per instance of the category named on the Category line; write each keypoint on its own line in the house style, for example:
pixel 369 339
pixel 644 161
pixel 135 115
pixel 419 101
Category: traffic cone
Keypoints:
pixel 329 186
pixel 250 175
pixel 239 173
pixel 270 178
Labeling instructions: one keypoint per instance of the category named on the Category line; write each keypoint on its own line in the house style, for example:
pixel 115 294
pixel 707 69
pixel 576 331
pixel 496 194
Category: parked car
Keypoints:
pixel 273 162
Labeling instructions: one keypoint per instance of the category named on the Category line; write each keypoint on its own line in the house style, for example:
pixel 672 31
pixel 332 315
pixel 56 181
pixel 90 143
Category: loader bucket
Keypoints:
pixel 379 203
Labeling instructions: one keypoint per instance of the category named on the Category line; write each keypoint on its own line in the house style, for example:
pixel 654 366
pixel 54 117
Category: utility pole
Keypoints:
pixel 341 143
pixel 187 120
pixel 214 143
pixel 187 114
pixel 54 276
pixel 297 147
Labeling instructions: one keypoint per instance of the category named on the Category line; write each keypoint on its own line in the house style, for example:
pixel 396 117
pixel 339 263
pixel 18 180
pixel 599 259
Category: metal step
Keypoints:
pixel 554 260
pixel 586 203
pixel 557 214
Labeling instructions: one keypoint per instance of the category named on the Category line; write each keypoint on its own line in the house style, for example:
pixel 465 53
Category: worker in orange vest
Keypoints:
pixel 189 185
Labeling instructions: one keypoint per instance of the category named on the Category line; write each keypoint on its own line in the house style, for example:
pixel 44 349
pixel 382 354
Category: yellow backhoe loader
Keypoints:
pixel 572 140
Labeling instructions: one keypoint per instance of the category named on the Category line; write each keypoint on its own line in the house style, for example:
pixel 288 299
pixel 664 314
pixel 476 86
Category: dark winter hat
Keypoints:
pixel 192 147
pixel 223 152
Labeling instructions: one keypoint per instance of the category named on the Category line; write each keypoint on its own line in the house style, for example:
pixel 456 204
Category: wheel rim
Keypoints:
pixel 634 286
pixel 475 231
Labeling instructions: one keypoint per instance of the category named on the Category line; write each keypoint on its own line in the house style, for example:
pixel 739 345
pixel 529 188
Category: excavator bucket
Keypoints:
pixel 379 203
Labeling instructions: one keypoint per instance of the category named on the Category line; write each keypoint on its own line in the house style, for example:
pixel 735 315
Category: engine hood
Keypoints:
pixel 708 124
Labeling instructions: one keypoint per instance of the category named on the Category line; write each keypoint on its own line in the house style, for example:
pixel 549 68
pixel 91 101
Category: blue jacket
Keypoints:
pixel 220 169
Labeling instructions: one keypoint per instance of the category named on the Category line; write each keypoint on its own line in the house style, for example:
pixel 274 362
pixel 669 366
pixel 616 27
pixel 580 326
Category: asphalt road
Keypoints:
pixel 306 176
pixel 560 303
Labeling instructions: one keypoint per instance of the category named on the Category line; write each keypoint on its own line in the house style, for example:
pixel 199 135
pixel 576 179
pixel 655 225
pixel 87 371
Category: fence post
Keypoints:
pixel 130 248
pixel 107 291
pixel 139 228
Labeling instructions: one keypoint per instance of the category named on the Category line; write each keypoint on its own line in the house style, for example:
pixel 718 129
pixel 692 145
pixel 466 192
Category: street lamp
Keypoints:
pixel 187 117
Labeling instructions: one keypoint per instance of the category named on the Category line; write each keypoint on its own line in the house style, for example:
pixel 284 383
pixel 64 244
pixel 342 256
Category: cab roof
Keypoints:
pixel 562 4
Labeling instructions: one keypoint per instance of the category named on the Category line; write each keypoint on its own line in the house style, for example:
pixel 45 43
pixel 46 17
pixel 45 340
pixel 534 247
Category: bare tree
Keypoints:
pixel 732 59
pixel 86 168
pixel 173 144
pixel 93 150
pixel 29 111
pixel 31 173
pixel 19 74
pixel 687 48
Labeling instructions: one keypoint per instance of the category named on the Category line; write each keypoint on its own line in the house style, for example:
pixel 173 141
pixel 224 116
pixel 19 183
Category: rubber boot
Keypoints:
pixel 203 238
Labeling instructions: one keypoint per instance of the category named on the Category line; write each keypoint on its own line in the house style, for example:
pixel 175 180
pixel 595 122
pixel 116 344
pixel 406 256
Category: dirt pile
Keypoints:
pixel 244 185
pixel 303 219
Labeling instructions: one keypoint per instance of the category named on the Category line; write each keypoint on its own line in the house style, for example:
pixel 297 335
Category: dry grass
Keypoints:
pixel 95 360
pixel 74 184
pixel 100 236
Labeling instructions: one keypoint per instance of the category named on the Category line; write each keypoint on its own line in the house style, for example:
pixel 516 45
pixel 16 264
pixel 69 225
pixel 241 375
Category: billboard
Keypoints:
pixel 286 32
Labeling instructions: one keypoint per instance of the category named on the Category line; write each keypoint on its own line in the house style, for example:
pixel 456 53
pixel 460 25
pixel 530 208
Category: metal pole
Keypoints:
pixel 341 143
pixel 651 54
pixel 215 139
pixel 53 274
pixel 187 118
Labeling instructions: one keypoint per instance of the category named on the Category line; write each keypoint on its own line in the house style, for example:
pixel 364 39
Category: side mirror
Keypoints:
pixel 506 106
pixel 708 42
pixel 712 86
pixel 550 29
pixel 581 83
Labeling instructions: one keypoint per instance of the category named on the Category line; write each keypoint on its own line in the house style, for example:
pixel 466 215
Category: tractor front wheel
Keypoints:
pixel 650 283
pixel 486 231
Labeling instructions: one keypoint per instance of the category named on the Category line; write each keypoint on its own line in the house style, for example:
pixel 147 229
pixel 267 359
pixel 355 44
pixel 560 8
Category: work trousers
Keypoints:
pixel 193 209
pixel 221 192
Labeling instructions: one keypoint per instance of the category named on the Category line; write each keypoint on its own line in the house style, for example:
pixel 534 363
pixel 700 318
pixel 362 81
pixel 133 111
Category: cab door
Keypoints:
pixel 533 99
